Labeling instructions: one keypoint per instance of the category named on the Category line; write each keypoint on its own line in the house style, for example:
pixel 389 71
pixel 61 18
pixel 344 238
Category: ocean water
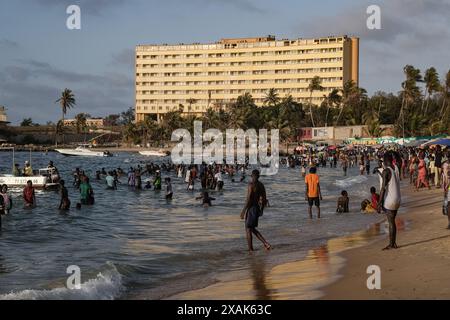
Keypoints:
pixel 135 244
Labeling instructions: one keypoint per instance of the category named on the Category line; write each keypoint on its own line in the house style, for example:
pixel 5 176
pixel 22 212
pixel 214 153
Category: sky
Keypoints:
pixel 39 56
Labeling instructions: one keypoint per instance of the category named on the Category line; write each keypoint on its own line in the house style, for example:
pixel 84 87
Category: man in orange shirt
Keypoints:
pixel 313 194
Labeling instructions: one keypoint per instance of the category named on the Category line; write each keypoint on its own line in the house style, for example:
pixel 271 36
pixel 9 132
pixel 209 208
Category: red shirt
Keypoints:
pixel 28 194
pixel 375 199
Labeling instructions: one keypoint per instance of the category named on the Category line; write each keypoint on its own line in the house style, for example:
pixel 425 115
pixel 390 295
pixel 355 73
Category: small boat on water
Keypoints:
pixel 83 151
pixel 47 179
pixel 151 153
pixel 44 179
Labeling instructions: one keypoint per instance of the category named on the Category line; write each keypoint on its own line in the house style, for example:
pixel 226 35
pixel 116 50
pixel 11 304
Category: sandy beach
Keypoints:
pixel 337 270
pixel 417 270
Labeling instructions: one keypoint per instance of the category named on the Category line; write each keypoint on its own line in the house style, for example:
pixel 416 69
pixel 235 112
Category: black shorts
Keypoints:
pixel 314 201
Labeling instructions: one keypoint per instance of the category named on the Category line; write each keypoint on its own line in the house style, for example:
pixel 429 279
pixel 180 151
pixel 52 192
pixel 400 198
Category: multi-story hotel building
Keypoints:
pixel 200 76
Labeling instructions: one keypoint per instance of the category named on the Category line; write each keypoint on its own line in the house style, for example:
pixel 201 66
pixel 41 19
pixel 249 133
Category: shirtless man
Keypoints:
pixel 390 197
pixel 253 209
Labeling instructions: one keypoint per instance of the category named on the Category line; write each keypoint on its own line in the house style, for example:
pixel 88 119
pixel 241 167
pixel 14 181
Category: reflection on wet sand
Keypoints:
pixel 293 280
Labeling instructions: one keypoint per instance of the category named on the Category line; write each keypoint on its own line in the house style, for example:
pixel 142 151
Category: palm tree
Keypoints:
pixel 314 85
pixel 210 119
pixel 432 85
pixel 59 129
pixel 130 133
pixel 410 90
pixel 445 88
pixel 331 100
pixel 191 101
pixel 81 122
pixel 347 91
pixel 66 101
pixel 271 98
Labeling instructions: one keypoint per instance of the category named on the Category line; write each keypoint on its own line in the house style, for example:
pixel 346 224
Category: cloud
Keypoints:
pixel 125 58
pixel 413 32
pixel 93 7
pixel 6 44
pixel 30 87
pixel 245 5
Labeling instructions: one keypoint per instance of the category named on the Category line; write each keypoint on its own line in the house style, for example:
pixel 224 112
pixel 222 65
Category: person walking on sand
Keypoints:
pixel 390 197
pixel 422 174
pixel 253 209
pixel 446 185
pixel 312 193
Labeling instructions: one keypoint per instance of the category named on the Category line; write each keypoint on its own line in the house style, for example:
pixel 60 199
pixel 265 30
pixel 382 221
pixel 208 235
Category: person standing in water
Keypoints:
pixel 157 181
pixel 29 196
pixel 312 192
pixel 390 197
pixel 169 190
pixel 87 194
pixel 344 165
pixel 253 209
pixel 111 181
pixel 7 200
pixel 64 204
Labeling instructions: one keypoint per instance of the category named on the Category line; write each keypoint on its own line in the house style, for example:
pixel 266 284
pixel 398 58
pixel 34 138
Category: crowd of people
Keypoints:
pixel 425 168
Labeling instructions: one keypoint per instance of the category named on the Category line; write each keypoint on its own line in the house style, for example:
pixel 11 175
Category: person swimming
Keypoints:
pixel 343 201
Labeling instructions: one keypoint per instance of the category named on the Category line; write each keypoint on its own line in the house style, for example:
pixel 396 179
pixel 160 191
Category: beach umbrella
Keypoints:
pixel 414 143
pixel 440 141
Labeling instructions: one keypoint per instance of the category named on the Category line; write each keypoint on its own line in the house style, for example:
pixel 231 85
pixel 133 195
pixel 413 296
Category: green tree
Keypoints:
pixel 112 120
pixel 332 100
pixel 432 85
pixel 127 116
pixel 445 89
pixel 410 92
pixel 66 102
pixel 314 85
pixel 191 102
pixel 81 122
pixel 28 122
pixel 271 98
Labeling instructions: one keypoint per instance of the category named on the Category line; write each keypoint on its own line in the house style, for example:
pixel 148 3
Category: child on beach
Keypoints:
pixel 342 204
pixel 370 206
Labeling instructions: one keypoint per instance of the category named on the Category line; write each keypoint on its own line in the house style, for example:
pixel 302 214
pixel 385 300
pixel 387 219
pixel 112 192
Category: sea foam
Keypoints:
pixel 106 286
pixel 345 183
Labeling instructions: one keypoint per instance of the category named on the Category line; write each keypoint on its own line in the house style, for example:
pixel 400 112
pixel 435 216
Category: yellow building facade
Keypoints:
pixel 202 76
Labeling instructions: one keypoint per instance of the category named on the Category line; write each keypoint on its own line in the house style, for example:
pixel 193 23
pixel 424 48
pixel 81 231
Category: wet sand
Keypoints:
pixel 419 269
pixel 337 270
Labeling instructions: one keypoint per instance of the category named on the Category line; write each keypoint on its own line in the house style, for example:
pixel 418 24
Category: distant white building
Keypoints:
pixel 3 116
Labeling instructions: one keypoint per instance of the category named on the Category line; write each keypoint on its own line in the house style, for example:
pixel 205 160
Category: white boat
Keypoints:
pixel 42 179
pixel 151 153
pixel 82 151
